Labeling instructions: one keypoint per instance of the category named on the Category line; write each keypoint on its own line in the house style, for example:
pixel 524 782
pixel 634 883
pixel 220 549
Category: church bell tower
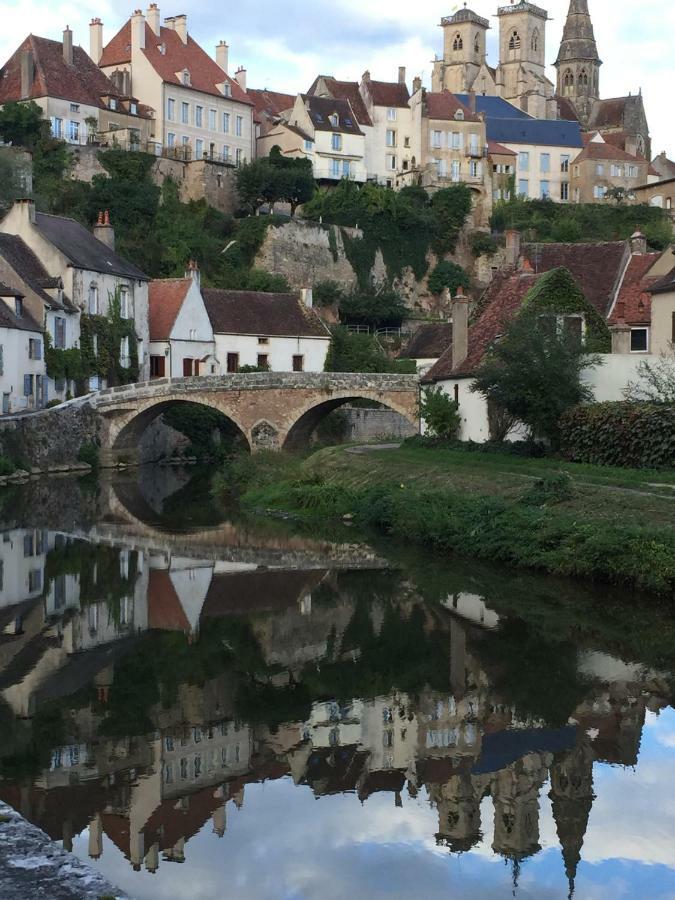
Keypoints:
pixel 578 63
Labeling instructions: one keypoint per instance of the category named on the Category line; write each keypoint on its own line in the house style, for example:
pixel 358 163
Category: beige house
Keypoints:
pixel 200 111
pixel 602 167
pixel 82 105
pixel 658 193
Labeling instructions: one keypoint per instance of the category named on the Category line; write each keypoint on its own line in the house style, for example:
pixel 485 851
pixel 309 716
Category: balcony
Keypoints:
pixel 477 152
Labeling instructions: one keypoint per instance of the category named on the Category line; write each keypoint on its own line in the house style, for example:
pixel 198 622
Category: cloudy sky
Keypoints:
pixel 285 45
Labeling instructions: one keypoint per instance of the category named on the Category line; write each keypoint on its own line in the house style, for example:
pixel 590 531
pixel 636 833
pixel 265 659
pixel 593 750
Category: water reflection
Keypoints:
pixel 145 693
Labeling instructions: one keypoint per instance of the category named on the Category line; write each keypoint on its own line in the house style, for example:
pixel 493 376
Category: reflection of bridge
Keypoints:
pixel 268 410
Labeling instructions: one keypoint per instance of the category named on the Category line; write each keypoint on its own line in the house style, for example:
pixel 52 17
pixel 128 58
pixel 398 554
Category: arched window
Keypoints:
pixel 535 40
pixel 583 78
pixel 458 43
pixel 476 44
pixel 568 82
pixel 514 41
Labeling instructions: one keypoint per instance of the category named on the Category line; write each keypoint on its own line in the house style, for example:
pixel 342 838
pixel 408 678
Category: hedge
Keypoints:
pixel 635 435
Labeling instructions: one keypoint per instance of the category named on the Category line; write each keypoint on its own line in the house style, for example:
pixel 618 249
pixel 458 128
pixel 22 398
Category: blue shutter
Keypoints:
pixel 27 385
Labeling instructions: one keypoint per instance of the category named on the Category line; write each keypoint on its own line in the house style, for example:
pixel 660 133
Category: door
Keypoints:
pixel 187 368
pixel 232 362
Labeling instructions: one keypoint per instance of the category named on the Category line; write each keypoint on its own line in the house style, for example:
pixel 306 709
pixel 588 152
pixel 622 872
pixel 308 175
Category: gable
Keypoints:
pixel 192 316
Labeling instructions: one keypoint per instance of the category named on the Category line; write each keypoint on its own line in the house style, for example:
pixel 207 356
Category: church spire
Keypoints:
pixel 578 62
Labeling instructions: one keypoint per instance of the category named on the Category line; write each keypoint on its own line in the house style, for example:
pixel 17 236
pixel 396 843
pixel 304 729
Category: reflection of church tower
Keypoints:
pixel 458 803
pixel 571 799
pixel 578 63
pixel 515 793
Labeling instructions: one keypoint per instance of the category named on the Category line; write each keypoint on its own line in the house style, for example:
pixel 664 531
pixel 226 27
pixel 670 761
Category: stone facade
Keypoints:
pixel 49 439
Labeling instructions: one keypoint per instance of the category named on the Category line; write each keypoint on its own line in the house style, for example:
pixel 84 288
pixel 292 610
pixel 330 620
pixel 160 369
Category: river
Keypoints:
pixel 205 706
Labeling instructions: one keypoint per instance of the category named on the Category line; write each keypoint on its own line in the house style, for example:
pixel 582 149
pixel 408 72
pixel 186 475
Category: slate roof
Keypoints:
pixel 82 249
pixel 444 105
pixel 428 342
pixel 345 90
pixel 611 112
pixel 389 93
pixel 28 267
pixel 608 151
pixel 634 302
pixel 545 132
pixel 165 298
pixel 251 312
pixel 495 107
pixel 205 73
pixel 320 108
pixel 8 319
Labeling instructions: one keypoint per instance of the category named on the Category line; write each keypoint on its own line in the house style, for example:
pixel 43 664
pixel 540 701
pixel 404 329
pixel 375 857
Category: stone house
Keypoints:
pixel 269 109
pixel 91 273
pixel 82 105
pixel 657 193
pixel 280 332
pixel 200 111
pixel 602 167
pixel 22 366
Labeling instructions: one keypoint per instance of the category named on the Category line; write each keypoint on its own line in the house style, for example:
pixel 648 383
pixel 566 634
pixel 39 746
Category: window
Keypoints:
pixel 35 580
pixel 564 190
pixel 213 114
pixel 263 340
pixel 568 83
pixel 335 168
pixel 544 189
pixel 34 348
pixel 18 307
pixel 391 114
pixel 93 300
pixel 391 137
pixel 29 544
pixel 157 366
pixel 639 340
pixel 57 128
pixel 455 170
pixel 436 139
pixel 599 191
pixel 545 162
pixel 309 145
pixel 227 89
pixel 616 171
pixel 125 360
pixel 185 113
pixel 185 141
pixel 112 103
pixel 75 107
pixel 583 78
pixel 263 361
pixel 473 144
pixel 514 41
pixel 334 120
pixel 391 162
pixel 74 131
pixel 239 126
pixel 456 140
pixel 476 44
pixel 171 139
pixel 346 168
pixel 125 304
pixel 133 108
pixel 524 161
pixel 564 163
pixel 186 78
pixel 199 148
pixel 458 43
pixel 199 116
pixel 239 158
pixel 631 171
pixel 298 363
pixel 170 109
pixel 226 123
pixel 232 362
pixel 336 141
pixel 226 152
pixel 600 169
pixel 474 168
pixel 535 40
pixel 523 187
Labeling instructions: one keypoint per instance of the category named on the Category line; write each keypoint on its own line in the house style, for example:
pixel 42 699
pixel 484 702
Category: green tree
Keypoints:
pixel 376 307
pixel 294 179
pixel 440 413
pixel 257 184
pixel 12 175
pixel 350 352
pixel 448 275
pixel 22 125
pixel 450 207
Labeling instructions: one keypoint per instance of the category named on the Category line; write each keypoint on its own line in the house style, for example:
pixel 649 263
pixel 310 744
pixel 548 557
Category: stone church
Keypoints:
pixel 520 75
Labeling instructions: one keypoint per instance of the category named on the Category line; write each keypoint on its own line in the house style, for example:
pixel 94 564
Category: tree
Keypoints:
pixel 440 413
pixel 535 375
pixel 294 178
pixel 361 353
pixel 376 307
pixel 656 381
pixel 450 207
pixel 257 185
pixel 12 178
pixel 22 125
pixel 448 275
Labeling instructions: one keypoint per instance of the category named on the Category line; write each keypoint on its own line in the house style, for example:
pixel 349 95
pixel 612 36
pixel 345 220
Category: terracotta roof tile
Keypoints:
pixel 497 149
pixel 634 301
pixel 608 151
pixel 389 93
pixel 165 298
pixel 205 74
pixel 429 341
pixel 249 312
pixel 270 103
pixel 345 90
pixel 165 611
pixel 444 105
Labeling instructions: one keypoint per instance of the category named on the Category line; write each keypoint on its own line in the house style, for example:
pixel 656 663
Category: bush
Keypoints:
pixel 482 243
pixel 448 275
pixel 440 413
pixel 327 292
pixel 547 491
pixel 88 453
pixel 636 435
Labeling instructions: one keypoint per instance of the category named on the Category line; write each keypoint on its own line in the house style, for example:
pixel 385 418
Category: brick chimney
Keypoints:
pixel 27 73
pixel 96 40
pixel 512 248
pixel 401 74
pixel 27 209
pixel 307 297
pixel 68 46
pixel 103 230
pixel 638 243
pixel 620 332
pixel 193 272
pixel 152 18
pixel 137 31
pixel 181 28
pixel 460 328
pixel 240 77
pixel 222 55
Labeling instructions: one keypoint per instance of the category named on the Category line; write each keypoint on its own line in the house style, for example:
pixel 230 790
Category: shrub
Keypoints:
pixel 636 435
pixel 448 275
pixel 482 243
pixel 440 413
pixel 7 467
pixel 327 292
pixel 553 488
pixel 88 453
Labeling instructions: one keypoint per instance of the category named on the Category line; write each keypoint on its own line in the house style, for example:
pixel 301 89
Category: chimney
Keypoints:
pixel 137 31
pixel 638 243
pixel 460 328
pixel 417 84
pixel 472 101
pixel 96 40
pixel 170 23
pixel 27 73
pixel 193 272
pixel 222 51
pixel 620 332
pixel 366 75
pixel 103 230
pixel 240 77
pixel 307 297
pixel 401 74
pixel 152 18
pixel 181 28
pixel 27 208
pixel 512 248
pixel 68 46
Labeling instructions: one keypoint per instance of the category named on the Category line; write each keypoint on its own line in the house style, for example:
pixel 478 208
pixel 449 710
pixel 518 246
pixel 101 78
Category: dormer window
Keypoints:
pixel 133 108
pixel 112 103
pixel 18 307
pixel 185 78
pixel 459 115
pixel 334 120
pixel 227 90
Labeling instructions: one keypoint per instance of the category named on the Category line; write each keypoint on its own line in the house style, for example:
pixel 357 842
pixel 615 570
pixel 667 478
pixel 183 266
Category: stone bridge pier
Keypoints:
pixel 266 410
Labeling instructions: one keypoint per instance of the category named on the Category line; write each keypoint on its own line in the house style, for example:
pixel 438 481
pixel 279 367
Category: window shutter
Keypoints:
pixel 27 385
pixel 672 336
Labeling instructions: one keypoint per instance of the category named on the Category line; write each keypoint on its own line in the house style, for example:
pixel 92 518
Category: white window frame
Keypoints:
pixel 646 330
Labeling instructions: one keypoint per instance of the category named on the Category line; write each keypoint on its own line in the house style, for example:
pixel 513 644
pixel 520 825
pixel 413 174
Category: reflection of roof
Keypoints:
pixel 502 748
pixel 251 312
pixel 165 298
pixel 334 770
pixel 252 592
pixel 82 249
pixel 634 302
pixel 165 611
pixel 428 342
pixel 388 780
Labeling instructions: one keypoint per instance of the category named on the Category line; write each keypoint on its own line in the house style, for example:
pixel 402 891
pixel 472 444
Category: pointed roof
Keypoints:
pixel 578 40
pixel 165 298
pixel 343 90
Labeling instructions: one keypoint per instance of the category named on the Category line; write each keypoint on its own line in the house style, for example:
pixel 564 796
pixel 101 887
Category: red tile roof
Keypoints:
pixel 165 611
pixel 566 109
pixel 205 74
pixel 83 82
pixel 445 105
pixel 634 302
pixel 165 298
pixel 344 90
pixel 249 312
pixel 270 103
pixel 500 303
pixel 389 93
pixel 608 151
pixel 496 149
pixel 596 267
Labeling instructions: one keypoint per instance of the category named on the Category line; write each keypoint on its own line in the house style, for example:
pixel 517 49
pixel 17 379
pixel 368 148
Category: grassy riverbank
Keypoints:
pixel 612 525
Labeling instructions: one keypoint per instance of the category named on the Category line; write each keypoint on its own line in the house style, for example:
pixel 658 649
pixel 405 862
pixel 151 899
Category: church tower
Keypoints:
pixel 464 51
pixel 522 48
pixel 578 63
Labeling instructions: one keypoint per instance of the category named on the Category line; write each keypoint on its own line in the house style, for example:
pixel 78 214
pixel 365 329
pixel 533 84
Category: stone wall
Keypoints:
pixel 49 439
pixel 371 424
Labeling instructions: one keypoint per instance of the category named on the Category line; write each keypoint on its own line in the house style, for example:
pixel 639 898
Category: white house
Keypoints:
pixel 181 336
pixel 280 332
pixel 22 366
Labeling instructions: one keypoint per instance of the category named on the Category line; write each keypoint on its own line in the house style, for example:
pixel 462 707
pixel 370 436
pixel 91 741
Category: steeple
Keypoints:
pixel 578 62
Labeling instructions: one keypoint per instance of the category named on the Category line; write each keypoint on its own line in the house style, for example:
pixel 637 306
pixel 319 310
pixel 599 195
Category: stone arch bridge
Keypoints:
pixel 269 410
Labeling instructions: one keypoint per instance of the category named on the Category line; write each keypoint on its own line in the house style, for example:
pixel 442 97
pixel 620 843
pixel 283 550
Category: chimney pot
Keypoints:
pixel 68 46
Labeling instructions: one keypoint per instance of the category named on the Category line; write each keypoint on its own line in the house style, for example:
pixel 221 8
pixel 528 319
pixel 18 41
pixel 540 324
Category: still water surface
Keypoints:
pixel 206 707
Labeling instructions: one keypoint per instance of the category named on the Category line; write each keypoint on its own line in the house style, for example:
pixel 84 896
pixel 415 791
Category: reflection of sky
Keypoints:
pixel 285 845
